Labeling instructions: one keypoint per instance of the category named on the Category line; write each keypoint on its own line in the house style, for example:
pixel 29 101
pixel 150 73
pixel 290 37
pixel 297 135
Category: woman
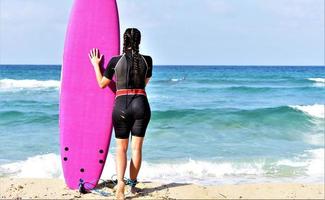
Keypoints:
pixel 131 111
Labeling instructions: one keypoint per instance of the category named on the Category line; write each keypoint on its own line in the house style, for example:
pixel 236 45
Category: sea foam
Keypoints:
pixel 8 84
pixel 190 171
pixel 39 166
pixel 316 163
pixel 319 80
pixel 316 110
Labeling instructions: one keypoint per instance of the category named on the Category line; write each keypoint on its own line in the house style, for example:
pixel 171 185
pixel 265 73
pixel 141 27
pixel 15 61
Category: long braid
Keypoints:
pixel 136 37
pixel 127 42
pixel 132 38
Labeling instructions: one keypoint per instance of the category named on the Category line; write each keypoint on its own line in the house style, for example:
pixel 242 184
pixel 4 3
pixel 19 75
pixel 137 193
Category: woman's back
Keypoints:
pixel 127 75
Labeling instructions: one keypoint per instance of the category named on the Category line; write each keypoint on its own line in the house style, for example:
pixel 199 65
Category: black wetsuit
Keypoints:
pixel 131 112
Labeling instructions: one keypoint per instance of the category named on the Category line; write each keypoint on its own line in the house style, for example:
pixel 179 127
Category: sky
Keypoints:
pixel 178 32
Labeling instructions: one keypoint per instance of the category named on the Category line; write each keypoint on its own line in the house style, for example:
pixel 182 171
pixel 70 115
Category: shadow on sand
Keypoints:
pixel 148 191
pixel 143 192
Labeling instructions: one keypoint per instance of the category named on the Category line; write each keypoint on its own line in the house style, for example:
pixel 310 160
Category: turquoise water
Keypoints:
pixel 210 124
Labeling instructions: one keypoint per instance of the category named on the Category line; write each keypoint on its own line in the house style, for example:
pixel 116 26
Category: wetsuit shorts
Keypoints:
pixel 131 113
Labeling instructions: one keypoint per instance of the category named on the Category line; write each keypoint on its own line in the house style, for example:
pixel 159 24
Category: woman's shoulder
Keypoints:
pixel 114 60
pixel 147 58
pixel 117 56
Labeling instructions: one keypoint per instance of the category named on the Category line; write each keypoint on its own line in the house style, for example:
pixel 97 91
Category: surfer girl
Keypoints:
pixel 131 112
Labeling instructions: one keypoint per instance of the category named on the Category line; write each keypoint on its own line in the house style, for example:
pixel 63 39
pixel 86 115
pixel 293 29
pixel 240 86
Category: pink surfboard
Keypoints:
pixel 85 115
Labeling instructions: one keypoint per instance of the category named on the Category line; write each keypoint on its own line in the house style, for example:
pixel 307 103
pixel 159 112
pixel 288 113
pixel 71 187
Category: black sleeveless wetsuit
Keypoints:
pixel 131 112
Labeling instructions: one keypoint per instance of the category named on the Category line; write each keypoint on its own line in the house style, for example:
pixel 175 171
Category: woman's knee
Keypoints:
pixel 121 150
pixel 137 143
pixel 136 149
pixel 122 145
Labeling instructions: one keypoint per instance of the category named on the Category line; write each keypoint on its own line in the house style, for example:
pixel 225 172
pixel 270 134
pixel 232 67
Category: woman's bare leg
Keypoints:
pixel 121 162
pixel 136 159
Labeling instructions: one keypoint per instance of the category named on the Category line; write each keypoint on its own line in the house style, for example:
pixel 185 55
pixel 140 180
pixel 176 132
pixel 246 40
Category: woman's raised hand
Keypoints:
pixel 94 56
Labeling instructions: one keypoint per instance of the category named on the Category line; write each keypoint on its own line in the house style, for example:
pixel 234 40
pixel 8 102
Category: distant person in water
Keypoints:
pixel 131 111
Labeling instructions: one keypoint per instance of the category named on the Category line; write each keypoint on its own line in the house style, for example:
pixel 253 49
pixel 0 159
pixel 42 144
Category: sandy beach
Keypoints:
pixel 26 188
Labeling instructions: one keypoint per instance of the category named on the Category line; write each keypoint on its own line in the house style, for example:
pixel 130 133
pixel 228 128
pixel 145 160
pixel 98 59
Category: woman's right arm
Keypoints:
pixel 95 60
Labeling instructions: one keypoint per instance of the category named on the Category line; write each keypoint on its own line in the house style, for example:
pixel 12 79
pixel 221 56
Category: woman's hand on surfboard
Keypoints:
pixel 94 57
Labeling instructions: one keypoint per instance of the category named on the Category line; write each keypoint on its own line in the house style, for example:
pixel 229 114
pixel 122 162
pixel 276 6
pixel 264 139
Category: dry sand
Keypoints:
pixel 11 188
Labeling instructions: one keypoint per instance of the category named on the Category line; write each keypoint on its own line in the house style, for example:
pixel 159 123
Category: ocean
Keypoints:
pixel 209 124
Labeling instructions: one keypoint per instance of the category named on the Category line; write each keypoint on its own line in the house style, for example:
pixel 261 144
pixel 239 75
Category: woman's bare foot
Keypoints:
pixel 120 190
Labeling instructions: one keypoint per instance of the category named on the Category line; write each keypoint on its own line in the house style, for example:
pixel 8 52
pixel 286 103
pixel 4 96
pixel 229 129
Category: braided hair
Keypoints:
pixel 132 38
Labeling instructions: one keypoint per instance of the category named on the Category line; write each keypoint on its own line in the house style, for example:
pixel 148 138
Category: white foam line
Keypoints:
pixel 191 171
pixel 316 110
pixel 319 80
pixel 28 84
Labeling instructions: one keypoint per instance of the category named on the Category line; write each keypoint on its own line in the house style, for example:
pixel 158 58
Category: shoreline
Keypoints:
pixel 37 188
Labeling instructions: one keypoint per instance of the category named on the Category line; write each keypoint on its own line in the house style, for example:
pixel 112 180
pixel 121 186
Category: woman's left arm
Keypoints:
pixel 147 81
pixel 95 60
pixel 149 71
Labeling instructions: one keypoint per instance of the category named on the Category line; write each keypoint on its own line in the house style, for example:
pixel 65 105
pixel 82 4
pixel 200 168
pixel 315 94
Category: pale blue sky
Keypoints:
pixel 208 32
